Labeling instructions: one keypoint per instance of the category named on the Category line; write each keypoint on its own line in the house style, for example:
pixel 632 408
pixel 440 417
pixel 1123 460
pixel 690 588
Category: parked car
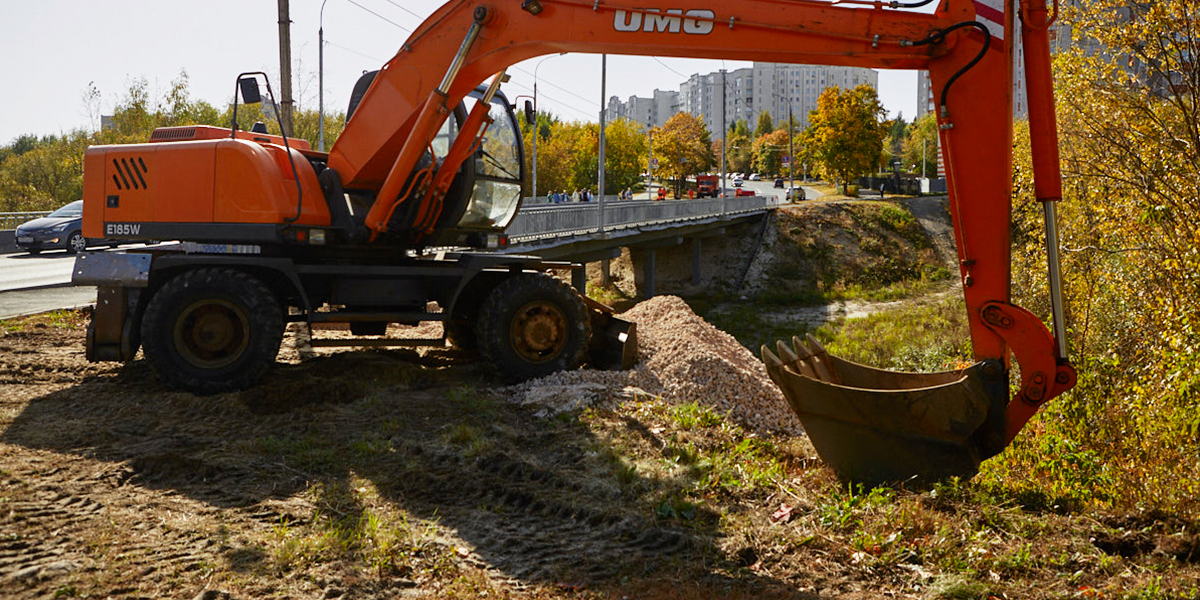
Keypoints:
pixel 61 229
pixel 737 181
pixel 755 177
pixel 779 183
pixel 795 194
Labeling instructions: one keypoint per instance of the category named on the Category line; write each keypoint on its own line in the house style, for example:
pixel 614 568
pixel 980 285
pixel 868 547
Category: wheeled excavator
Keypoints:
pixel 399 216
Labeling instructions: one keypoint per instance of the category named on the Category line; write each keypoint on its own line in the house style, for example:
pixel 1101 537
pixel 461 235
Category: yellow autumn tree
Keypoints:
pixel 683 149
pixel 846 132
pixel 1129 126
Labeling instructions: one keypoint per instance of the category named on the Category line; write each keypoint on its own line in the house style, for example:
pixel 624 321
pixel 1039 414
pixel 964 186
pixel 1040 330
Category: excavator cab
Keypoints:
pixel 489 182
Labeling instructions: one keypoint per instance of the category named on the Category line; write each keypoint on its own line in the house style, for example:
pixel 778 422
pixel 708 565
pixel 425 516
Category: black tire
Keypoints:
pixel 461 334
pixel 76 243
pixel 212 330
pixel 34 252
pixel 532 325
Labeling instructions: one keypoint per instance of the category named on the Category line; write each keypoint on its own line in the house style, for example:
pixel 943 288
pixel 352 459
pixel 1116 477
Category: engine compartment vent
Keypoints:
pixel 168 134
pixel 129 173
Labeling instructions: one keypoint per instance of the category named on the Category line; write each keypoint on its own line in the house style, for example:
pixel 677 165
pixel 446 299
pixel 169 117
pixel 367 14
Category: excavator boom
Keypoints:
pixel 869 425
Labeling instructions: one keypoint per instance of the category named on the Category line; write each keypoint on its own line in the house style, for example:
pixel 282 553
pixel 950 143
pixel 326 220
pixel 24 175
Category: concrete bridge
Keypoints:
pixel 588 232
pixel 591 232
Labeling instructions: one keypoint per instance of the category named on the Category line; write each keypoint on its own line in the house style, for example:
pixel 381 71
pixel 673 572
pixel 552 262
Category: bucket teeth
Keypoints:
pixel 770 359
pixel 785 352
pixel 815 345
pixel 800 347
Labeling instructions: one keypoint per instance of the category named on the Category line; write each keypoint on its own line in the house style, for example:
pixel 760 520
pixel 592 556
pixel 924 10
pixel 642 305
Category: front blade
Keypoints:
pixel 873 426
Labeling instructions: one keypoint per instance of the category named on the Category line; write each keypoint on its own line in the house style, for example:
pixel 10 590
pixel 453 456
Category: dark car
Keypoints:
pixel 61 229
pixel 779 183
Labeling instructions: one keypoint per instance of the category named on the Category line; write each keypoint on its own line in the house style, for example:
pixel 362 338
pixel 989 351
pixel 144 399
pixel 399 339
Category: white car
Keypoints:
pixel 737 181
pixel 755 177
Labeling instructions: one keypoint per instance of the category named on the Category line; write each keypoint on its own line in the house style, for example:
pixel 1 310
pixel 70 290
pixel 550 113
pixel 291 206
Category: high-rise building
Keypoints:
pixel 654 111
pixel 744 93
pixel 778 84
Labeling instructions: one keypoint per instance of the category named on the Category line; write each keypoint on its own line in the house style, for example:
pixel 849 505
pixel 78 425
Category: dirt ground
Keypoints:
pixel 403 474
pixel 359 474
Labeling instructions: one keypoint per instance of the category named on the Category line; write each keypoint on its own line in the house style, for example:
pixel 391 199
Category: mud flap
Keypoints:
pixel 614 341
pixel 883 427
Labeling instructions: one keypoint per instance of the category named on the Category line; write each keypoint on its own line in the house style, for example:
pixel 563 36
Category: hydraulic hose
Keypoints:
pixel 938 37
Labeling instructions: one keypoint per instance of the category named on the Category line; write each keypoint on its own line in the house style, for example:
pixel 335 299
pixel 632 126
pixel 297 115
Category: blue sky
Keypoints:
pixel 51 51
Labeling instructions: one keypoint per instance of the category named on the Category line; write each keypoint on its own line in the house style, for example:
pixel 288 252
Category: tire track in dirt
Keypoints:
pixel 120 486
pixel 535 523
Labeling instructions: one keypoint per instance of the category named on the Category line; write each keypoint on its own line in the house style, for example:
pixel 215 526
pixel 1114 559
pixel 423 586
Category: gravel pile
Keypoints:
pixel 683 359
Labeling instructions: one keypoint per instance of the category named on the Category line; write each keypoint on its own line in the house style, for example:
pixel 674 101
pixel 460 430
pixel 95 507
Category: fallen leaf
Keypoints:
pixel 783 514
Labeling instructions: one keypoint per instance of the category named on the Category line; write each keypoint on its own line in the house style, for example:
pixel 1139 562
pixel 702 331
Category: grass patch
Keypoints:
pixel 918 337
pixel 56 319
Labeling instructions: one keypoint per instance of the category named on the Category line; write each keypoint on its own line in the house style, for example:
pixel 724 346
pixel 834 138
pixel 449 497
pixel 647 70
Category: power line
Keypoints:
pixel 405 9
pixel 556 100
pixel 668 67
pixel 554 85
pixel 401 27
pixel 353 51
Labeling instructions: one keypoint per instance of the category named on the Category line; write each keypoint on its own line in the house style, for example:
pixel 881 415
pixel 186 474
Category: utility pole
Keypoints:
pixel 649 161
pixel 724 141
pixel 603 115
pixel 924 143
pixel 321 80
pixel 285 65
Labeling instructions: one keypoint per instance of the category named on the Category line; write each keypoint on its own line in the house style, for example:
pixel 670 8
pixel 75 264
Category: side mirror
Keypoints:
pixel 530 114
pixel 249 88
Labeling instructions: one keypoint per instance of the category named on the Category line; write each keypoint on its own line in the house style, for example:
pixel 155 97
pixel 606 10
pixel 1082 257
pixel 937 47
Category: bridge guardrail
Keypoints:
pixel 547 220
pixel 9 221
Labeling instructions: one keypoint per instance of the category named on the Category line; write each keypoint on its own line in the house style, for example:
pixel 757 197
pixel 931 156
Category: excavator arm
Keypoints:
pixel 871 426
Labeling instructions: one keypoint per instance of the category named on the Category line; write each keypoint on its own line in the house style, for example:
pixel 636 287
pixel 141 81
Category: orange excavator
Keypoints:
pixel 273 232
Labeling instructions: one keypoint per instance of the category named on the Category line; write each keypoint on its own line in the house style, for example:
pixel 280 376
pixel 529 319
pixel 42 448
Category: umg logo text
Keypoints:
pixel 674 20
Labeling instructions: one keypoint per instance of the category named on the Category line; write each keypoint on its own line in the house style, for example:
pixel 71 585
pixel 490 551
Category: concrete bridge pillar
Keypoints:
pixel 696 261
pixel 648 267
pixel 579 279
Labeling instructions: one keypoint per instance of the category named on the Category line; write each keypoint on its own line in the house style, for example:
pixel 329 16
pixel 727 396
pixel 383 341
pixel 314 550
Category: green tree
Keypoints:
pixel 739 157
pixel 846 132
pixel 739 127
pixel 769 151
pixel 765 125
pixel 921 143
pixel 897 134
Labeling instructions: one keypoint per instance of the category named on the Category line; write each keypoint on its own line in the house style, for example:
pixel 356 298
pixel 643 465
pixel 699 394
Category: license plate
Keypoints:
pixel 25 239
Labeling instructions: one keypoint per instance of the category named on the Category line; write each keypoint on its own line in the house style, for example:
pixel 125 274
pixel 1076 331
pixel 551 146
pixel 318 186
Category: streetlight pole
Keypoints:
pixel 791 149
pixel 603 122
pixel 649 161
pixel 321 80
pixel 285 65
pixel 536 133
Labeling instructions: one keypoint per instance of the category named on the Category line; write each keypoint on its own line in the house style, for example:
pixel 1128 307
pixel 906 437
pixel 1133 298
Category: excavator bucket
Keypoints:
pixel 614 344
pixel 879 427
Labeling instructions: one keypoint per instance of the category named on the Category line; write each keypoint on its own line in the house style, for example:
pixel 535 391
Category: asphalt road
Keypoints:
pixel 15 303
pixel 23 271
pixel 32 284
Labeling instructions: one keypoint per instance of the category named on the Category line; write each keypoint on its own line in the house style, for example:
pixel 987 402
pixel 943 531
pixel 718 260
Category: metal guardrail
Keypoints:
pixel 11 220
pixel 554 220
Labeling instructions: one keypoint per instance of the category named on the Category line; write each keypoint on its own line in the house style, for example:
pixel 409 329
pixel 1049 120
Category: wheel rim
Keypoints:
pixel 212 333
pixel 539 331
pixel 78 243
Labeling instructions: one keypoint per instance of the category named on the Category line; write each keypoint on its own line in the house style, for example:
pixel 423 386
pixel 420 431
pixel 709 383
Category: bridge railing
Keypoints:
pixel 10 220
pixel 552 220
